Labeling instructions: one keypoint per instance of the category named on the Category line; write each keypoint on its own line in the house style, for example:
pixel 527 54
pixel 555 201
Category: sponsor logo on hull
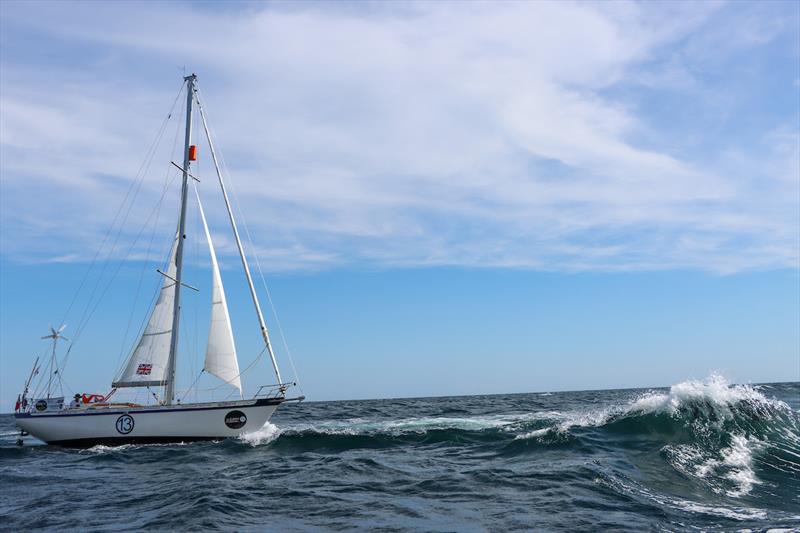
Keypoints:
pixel 235 419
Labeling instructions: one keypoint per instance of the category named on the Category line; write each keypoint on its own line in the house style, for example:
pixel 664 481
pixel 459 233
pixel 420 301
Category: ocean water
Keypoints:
pixel 701 455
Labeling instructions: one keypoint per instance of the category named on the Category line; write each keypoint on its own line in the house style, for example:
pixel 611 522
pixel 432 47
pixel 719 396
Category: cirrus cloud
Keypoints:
pixel 554 136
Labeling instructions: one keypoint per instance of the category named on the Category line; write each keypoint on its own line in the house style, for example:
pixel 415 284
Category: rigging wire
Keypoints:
pixel 157 209
pixel 185 394
pixel 230 381
pixel 197 240
pixel 87 314
pixel 157 283
pixel 84 322
pixel 135 186
pixel 146 262
pixel 138 181
pixel 119 211
pixel 113 276
pixel 190 347
pixel 252 247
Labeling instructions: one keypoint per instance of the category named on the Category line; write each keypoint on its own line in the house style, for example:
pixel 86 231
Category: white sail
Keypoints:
pixel 147 364
pixel 221 358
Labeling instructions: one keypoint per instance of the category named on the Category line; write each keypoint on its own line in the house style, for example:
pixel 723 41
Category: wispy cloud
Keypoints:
pixel 556 136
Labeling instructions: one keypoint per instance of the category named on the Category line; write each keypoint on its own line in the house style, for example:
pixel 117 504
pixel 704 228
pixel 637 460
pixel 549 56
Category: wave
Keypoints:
pixel 713 398
pixel 721 434
pixel 718 434
pixel 712 402
pixel 710 430
pixel 703 451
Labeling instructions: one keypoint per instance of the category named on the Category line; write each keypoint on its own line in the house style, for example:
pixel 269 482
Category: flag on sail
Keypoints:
pixel 147 364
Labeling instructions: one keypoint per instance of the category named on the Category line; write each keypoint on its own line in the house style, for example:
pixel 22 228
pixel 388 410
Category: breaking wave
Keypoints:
pixel 717 434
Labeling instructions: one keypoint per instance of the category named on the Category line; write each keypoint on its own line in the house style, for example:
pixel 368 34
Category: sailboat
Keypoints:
pixel 152 363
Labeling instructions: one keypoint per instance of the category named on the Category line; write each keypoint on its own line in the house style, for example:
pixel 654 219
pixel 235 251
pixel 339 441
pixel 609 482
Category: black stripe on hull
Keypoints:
pixel 121 441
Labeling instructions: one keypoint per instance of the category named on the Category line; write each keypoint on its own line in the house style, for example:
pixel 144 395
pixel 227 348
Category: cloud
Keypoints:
pixel 516 135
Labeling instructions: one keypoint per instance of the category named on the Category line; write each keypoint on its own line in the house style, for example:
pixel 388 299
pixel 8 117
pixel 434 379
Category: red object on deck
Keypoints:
pixel 93 398
pixel 193 152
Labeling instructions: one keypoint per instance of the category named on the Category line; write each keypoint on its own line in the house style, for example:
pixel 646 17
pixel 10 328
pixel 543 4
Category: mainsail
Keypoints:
pixel 147 364
pixel 221 358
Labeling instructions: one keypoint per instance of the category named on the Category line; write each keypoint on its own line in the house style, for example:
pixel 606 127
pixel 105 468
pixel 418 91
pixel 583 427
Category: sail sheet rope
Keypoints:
pixel 238 376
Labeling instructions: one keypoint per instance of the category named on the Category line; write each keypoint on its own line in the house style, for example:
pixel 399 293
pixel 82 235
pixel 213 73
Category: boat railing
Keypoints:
pixel 276 390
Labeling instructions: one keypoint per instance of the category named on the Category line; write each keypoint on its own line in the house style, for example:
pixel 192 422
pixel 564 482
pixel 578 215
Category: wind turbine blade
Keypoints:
pixel 61 328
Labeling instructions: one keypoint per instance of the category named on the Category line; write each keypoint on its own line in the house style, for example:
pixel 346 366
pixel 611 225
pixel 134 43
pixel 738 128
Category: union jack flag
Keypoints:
pixel 144 369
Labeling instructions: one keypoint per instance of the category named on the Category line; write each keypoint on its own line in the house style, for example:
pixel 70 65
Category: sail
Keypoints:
pixel 221 358
pixel 147 364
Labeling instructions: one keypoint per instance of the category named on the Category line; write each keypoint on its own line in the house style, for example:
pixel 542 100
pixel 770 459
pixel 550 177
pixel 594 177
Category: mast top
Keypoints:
pixel 191 76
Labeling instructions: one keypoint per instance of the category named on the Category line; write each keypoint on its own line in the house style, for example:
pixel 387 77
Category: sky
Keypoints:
pixel 443 197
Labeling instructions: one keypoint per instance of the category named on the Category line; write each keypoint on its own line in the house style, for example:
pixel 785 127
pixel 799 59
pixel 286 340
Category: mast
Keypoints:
pixel 261 322
pixel 169 389
pixel 52 367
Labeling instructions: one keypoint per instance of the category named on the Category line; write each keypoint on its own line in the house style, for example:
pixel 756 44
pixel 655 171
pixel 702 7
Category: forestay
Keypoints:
pixel 221 358
pixel 147 365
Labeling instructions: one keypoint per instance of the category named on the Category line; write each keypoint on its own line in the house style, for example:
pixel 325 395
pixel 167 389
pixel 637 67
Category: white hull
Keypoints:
pixel 124 425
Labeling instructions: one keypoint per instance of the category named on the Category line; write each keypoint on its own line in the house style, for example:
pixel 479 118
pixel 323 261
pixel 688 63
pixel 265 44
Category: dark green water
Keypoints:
pixel 698 456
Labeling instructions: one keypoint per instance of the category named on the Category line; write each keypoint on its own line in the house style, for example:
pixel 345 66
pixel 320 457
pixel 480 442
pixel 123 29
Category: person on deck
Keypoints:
pixel 76 402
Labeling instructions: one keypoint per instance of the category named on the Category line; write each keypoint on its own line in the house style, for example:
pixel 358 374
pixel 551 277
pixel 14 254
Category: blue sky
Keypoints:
pixel 445 197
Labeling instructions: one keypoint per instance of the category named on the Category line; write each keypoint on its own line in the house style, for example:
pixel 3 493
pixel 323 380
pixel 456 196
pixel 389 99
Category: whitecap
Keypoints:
pixel 715 389
pixel 101 448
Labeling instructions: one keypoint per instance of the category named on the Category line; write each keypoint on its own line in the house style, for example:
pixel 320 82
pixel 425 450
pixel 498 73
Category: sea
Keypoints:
pixel 701 455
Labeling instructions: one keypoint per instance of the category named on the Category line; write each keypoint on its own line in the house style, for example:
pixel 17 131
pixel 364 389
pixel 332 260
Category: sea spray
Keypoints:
pixel 268 433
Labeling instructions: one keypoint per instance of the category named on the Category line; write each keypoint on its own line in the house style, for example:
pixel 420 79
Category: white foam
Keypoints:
pixel 268 433
pixel 714 389
pixel 360 426
pixel 100 449
pixel 533 434
pixel 596 417
pixel 739 457
pixel 733 463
